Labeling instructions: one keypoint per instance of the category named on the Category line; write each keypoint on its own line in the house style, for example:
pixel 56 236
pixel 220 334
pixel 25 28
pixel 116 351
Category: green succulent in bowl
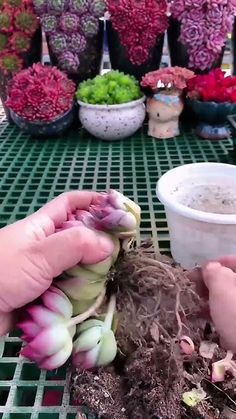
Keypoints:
pixel 111 88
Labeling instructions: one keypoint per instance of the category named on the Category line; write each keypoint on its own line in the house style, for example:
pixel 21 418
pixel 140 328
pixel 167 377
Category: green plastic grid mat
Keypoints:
pixel 33 171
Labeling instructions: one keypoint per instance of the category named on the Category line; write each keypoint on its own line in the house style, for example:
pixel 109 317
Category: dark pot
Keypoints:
pixel 45 129
pixel 212 117
pixel 90 58
pixel 119 58
pixel 30 57
pixel 178 51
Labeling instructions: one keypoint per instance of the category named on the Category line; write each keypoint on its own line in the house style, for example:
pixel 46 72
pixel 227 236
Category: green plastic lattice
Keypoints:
pixel 33 171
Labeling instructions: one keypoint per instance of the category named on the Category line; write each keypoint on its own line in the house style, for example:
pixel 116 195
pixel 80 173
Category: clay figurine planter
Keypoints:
pixel 164 111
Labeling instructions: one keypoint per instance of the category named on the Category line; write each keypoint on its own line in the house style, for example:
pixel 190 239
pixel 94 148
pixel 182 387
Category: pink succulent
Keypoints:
pixel 45 327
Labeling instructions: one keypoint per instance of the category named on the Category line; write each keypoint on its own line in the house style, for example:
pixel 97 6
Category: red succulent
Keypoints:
pixel 139 24
pixel 214 86
pixel 40 93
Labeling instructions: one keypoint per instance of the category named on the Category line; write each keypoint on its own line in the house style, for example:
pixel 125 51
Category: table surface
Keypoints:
pixel 33 171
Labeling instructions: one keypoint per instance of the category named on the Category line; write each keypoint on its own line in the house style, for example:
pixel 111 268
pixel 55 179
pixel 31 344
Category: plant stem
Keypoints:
pixel 88 313
pixel 110 313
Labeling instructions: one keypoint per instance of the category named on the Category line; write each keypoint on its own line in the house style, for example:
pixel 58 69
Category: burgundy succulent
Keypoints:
pixel 69 22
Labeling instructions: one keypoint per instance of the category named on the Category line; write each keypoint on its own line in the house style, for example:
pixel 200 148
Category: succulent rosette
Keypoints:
pixel 3 41
pixel 69 22
pixel 10 62
pixel 20 41
pixel 47 335
pixel 6 21
pixel 69 62
pixel 76 42
pixel 79 6
pixel 58 43
pixel 49 23
pixel 40 6
pixel 89 25
pixel 97 8
pixel 26 21
pixel 204 28
pixel 48 323
pixel 56 6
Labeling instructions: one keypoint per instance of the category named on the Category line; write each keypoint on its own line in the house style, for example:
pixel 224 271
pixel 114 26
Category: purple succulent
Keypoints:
pixel 69 62
pixel 192 32
pixel 201 58
pixel 40 6
pixel 97 8
pixel 47 334
pixel 58 43
pixel 215 41
pixel 89 25
pixel 79 6
pixel 76 42
pixel 69 22
pixel 56 6
pixel 49 23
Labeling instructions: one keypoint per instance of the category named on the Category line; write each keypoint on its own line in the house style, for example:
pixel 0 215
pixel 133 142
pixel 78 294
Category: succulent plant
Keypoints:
pixel 5 21
pixel 79 6
pixel 89 25
pixel 26 21
pixel 3 41
pixel 76 42
pixel 47 332
pixel 40 6
pixel 96 344
pixel 15 3
pixel 58 43
pixel 56 6
pixel 69 62
pixel 49 23
pixel 20 41
pixel 10 63
pixel 69 22
pixel 97 8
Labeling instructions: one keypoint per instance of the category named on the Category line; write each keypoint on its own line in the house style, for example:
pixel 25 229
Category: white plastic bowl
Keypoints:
pixel 200 205
pixel 112 122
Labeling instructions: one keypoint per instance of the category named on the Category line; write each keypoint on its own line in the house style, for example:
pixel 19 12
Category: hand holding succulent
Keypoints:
pixel 50 328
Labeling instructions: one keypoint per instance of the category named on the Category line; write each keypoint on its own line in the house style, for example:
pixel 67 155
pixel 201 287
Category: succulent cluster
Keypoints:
pixel 40 93
pixel 204 28
pixel 49 330
pixel 67 25
pixel 138 23
pixel 170 78
pixel 112 88
pixel 18 24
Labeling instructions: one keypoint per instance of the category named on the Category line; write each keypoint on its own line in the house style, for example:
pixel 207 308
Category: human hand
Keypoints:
pixel 33 253
pixel 220 279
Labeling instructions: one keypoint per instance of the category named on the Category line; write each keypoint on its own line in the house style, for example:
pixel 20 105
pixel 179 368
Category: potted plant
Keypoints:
pixel 74 34
pixel 20 41
pixel 136 34
pixel 198 31
pixel 212 97
pixel 111 106
pixel 166 103
pixel 41 100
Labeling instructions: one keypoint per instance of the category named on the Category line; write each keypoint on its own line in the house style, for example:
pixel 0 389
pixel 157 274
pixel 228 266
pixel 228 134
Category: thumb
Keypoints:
pixel 6 322
pixel 217 277
pixel 75 245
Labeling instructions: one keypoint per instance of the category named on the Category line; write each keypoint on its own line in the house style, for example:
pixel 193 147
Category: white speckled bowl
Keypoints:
pixel 112 122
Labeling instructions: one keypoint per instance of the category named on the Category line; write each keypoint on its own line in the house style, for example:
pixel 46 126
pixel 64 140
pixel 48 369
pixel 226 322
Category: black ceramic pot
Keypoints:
pixel 90 59
pixel 178 51
pixel 119 57
pixel 45 129
pixel 33 55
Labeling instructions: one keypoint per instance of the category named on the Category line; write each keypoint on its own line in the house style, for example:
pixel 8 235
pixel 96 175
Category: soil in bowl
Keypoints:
pixel 216 199
pixel 157 304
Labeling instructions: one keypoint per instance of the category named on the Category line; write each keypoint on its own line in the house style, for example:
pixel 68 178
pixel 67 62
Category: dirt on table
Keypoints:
pixel 157 305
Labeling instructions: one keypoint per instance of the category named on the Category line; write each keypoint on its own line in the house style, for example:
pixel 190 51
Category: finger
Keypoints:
pixel 66 248
pixel 7 321
pixel 228 261
pixel 218 278
pixel 53 214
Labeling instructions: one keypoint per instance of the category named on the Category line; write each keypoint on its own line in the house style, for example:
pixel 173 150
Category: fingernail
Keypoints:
pixel 106 244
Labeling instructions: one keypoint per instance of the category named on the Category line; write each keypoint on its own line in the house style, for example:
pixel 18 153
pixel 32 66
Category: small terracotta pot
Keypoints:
pixel 164 111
